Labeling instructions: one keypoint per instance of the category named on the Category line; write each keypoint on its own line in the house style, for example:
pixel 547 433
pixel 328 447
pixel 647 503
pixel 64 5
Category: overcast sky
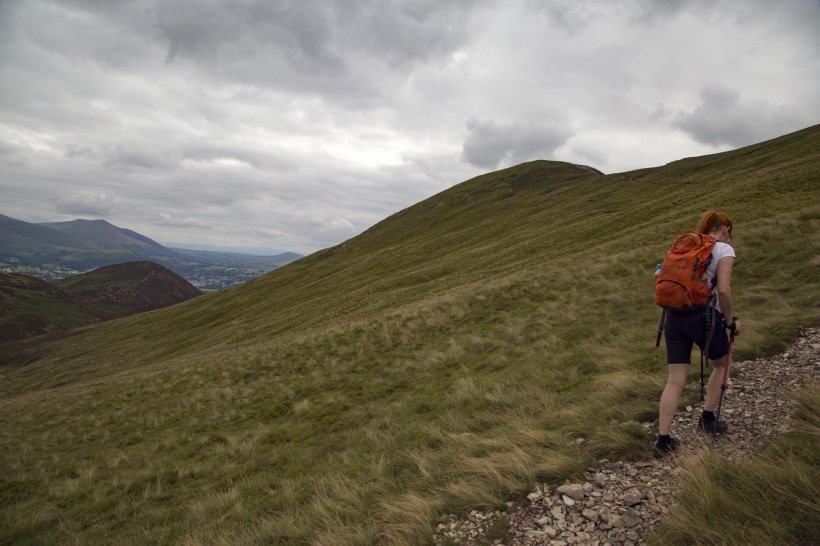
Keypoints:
pixel 297 124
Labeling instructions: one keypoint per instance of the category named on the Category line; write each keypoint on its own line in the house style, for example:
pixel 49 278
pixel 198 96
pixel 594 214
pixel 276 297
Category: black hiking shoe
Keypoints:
pixel 660 451
pixel 712 427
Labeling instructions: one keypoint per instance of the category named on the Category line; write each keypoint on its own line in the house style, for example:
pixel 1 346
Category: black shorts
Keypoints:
pixel 683 329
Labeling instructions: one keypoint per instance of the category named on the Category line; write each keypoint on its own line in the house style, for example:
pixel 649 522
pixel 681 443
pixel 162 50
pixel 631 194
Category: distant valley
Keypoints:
pixel 57 250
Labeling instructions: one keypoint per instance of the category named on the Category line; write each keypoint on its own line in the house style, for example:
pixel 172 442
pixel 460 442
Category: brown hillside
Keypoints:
pixel 129 288
pixel 31 307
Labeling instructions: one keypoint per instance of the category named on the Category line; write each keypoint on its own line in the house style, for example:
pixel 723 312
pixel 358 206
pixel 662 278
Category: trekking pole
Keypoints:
pixel 660 328
pixel 704 353
pixel 723 383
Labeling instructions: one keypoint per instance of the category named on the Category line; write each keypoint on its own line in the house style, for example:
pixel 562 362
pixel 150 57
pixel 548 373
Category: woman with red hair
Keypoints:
pixel 683 329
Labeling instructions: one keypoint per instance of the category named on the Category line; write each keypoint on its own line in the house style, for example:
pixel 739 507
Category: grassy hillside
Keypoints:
pixel 30 307
pixel 444 359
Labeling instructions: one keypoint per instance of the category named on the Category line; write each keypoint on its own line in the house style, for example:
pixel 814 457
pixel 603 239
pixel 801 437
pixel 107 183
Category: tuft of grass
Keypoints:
pixel 770 499
pixel 498 530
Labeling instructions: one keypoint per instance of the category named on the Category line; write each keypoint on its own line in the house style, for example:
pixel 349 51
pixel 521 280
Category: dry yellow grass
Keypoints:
pixel 443 360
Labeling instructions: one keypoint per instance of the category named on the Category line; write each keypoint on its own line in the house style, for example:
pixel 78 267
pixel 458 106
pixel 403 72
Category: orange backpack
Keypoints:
pixel 682 283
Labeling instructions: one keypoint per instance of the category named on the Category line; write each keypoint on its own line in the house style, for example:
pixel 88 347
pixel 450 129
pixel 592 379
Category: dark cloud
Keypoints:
pixel 140 156
pixel 723 119
pixel 309 45
pixel 651 11
pixel 489 144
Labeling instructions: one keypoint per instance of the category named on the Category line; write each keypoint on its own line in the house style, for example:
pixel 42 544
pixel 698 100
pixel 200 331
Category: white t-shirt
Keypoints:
pixel 721 250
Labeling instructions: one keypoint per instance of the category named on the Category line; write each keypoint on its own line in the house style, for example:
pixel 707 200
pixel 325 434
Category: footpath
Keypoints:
pixel 619 503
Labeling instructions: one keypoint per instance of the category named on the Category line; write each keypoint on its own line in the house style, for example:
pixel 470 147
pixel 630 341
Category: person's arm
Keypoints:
pixel 724 289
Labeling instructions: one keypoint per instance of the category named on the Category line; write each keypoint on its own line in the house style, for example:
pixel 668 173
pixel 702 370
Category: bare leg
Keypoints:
pixel 713 387
pixel 671 396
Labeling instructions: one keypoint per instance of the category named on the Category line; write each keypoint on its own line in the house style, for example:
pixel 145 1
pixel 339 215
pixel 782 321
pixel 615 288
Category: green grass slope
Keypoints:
pixel 444 359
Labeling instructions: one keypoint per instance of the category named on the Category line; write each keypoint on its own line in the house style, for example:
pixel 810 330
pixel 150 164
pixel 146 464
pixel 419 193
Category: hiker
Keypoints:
pixel 684 328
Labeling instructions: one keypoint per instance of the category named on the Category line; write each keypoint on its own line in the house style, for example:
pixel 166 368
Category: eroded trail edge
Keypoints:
pixel 619 503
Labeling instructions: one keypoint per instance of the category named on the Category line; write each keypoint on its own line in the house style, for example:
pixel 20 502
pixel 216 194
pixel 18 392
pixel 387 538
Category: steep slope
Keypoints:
pixel 440 361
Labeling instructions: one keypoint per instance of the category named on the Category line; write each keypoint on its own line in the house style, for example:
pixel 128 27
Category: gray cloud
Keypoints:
pixel 168 219
pixel 489 144
pixel 87 203
pixel 309 45
pixel 722 118
pixel 298 124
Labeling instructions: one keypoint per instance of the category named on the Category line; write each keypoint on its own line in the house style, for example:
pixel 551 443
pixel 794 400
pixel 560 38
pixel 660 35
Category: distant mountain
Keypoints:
pixel 56 250
pixel 254 251
pixel 101 234
pixel 31 306
pixel 237 259
pixel 19 235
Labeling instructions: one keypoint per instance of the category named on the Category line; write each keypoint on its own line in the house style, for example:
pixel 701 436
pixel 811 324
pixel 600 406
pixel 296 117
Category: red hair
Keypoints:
pixel 713 221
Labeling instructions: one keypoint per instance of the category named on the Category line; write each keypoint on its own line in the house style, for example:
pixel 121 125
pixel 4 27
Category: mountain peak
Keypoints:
pixel 104 234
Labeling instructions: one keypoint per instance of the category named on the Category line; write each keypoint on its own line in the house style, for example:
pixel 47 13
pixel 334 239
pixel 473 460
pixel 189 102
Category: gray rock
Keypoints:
pixel 574 490
pixel 589 514
pixel 632 497
pixel 631 519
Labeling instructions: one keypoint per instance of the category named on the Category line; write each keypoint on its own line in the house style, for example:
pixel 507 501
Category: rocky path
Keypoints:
pixel 618 503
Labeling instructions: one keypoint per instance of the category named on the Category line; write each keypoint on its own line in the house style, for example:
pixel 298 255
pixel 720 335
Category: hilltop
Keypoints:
pixel 130 288
pixel 445 360
pixel 102 234
pixel 32 306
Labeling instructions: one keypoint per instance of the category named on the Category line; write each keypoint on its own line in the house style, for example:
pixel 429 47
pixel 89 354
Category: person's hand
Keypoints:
pixel 735 326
